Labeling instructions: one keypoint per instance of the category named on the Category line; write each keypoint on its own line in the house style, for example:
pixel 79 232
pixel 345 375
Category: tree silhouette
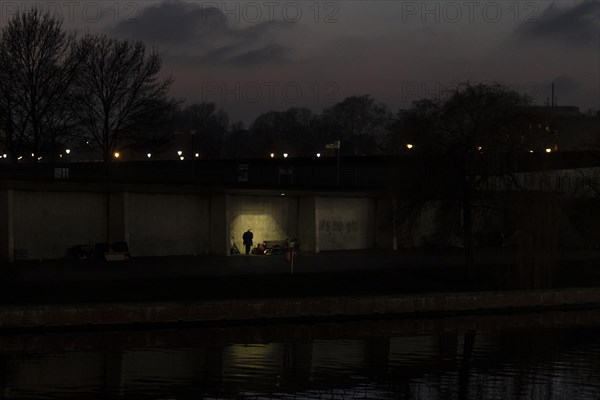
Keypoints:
pixel 122 99
pixel 458 144
pixel 38 65
pixel 359 122
pixel 207 125
pixel 292 131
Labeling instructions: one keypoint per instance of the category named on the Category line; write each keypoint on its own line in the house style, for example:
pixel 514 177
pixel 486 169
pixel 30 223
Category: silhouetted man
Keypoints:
pixel 248 236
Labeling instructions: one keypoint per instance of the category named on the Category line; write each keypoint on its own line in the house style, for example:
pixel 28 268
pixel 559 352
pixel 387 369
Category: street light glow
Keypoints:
pixel 318 155
pixel 285 155
pixel 117 154
pixel 182 158
pixel 409 146
pixel 149 155
pixel 68 151
pixel 179 153
pixel 548 150
pixel 272 155
pixel 197 155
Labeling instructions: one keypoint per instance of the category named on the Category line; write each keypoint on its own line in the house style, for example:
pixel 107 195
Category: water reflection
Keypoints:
pixel 538 356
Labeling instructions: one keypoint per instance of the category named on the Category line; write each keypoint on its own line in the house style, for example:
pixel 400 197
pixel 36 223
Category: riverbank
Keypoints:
pixel 213 311
pixel 335 285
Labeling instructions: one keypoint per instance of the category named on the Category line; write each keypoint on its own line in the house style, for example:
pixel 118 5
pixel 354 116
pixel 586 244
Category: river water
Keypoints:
pixel 545 356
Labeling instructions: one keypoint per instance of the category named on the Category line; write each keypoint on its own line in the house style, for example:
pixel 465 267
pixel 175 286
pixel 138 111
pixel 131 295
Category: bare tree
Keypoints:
pixel 207 126
pixel 291 131
pixel 122 98
pixel 360 122
pixel 38 65
pixel 458 144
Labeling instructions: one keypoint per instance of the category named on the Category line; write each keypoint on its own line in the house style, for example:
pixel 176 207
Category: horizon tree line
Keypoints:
pixel 109 93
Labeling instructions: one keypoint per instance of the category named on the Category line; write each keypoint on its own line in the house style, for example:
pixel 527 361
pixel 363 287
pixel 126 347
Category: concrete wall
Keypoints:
pixel 345 223
pixel 307 226
pixel 7 234
pixel 168 224
pixel 219 240
pixel 46 223
pixel 269 217
pixel 385 229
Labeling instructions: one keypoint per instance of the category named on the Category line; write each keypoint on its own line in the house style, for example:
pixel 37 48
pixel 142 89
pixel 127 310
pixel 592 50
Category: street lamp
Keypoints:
pixel 179 153
pixel 285 155
pixel 149 155
pixel 68 151
pixel 117 154
pixel 272 155
pixel 318 155
pixel 409 146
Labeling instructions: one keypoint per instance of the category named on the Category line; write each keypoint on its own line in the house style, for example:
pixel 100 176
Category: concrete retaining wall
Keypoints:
pixel 43 222
pixel 163 225
pixel 269 217
pixel 46 224
pixel 245 310
pixel 345 223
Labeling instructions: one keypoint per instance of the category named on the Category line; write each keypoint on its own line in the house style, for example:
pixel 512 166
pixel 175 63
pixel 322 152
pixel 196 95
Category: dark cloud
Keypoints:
pixel 194 32
pixel 574 24
pixel 274 52
pixel 171 22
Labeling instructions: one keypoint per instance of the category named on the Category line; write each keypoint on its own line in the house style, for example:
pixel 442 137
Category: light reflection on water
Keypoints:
pixel 543 356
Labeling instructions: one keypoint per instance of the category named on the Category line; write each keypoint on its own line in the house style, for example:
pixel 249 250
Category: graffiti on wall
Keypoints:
pixel 338 227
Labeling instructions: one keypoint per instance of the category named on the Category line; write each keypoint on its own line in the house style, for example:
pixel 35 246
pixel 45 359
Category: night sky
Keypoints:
pixel 252 57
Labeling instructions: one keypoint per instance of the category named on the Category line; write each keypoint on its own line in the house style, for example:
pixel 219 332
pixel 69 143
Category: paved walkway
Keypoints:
pixel 328 273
